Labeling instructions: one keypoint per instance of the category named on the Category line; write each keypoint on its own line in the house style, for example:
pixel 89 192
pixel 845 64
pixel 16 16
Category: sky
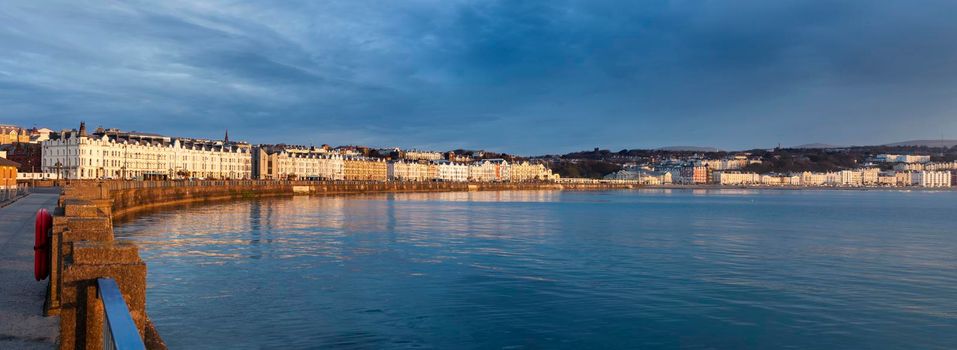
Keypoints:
pixel 526 77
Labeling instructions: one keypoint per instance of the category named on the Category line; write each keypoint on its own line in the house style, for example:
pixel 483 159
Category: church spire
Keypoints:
pixel 226 139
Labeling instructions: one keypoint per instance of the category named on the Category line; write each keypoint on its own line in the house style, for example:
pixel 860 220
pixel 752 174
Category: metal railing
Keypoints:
pixel 138 184
pixel 117 185
pixel 578 180
pixel 119 331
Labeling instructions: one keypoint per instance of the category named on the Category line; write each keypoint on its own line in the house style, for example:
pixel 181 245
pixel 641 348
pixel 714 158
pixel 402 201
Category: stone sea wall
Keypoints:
pixel 131 197
pixel 82 250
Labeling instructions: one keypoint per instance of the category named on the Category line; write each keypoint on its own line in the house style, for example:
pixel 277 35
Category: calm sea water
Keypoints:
pixel 577 270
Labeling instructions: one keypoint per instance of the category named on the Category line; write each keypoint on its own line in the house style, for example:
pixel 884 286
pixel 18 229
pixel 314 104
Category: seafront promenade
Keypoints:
pixel 22 324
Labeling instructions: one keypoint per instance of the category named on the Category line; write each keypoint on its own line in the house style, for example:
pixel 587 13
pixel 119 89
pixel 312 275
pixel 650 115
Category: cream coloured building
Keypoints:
pixel 281 162
pixel 849 178
pixel 909 166
pixel 737 162
pixel 780 180
pixel 655 178
pixel 525 171
pixel 365 169
pixel 650 180
pixel 904 178
pixel 13 134
pixel 39 135
pixel 733 178
pixel 869 176
pixel 813 179
pixel 113 154
pixel 489 170
pixel 408 171
pixel 887 180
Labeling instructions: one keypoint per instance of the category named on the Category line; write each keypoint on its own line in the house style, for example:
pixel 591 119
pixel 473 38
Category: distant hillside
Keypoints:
pixel 594 169
pixel 926 143
pixel 816 146
pixel 689 149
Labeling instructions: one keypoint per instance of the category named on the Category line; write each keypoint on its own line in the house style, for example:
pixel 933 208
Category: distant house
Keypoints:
pixel 27 154
pixel 899 158
pixel 8 174
pixel 490 170
pixel 13 134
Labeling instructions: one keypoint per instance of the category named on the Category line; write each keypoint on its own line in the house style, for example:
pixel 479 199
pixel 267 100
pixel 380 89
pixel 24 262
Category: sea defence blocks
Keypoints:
pixel 83 250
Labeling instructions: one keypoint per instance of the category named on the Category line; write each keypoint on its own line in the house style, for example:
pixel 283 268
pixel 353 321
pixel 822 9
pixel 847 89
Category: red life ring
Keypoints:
pixel 41 245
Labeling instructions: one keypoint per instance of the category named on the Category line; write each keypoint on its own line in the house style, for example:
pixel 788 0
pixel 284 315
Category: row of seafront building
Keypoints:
pixel 867 177
pixel 920 172
pixel 310 163
pixel 114 154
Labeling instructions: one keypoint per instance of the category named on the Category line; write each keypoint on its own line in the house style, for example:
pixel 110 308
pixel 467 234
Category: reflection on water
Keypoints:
pixel 547 269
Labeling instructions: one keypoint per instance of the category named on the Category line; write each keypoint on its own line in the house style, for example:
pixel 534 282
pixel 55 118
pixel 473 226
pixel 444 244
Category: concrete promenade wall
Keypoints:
pixel 83 247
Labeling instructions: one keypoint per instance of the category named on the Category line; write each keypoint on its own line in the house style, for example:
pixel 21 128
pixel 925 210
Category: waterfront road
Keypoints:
pixel 22 325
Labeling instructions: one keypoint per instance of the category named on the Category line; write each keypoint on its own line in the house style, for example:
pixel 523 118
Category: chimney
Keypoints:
pixel 82 129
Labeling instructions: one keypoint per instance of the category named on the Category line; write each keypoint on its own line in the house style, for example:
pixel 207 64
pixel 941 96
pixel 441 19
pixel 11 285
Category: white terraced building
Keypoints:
pixel 901 158
pixel 931 178
pixel 451 171
pixel 941 166
pixel 112 154
pixel 313 167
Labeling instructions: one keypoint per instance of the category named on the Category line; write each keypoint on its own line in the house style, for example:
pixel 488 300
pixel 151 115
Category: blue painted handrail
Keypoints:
pixel 119 332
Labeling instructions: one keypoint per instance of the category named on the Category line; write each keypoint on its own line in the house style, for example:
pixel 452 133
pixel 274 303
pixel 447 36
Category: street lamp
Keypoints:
pixel 58 165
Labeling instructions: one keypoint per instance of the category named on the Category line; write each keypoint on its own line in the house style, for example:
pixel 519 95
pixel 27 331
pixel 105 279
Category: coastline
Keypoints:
pixel 122 214
pixel 797 188
pixel 83 227
pixel 425 247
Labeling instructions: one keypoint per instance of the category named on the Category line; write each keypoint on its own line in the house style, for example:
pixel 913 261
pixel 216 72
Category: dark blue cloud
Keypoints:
pixel 522 76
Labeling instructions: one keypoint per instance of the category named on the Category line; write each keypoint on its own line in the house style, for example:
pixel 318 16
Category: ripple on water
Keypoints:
pixel 546 269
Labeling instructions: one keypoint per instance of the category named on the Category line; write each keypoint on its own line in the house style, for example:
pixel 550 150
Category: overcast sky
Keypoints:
pixel 529 77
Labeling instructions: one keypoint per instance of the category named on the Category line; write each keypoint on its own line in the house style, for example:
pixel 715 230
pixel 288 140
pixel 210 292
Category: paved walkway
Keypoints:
pixel 22 325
